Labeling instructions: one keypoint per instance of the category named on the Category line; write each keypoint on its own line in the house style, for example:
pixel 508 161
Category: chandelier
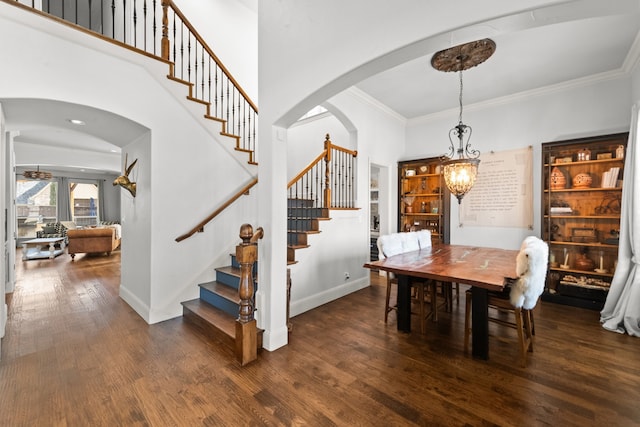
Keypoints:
pixel 460 173
pixel 37 174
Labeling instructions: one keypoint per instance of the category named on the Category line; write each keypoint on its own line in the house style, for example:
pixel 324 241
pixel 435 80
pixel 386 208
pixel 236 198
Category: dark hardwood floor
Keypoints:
pixel 75 354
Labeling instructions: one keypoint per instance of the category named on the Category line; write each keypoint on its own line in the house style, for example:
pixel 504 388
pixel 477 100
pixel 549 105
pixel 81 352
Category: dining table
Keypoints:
pixel 484 269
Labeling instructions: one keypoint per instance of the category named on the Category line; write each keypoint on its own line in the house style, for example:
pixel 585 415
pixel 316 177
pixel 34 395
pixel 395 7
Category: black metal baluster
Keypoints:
pixel 209 83
pixel 215 91
pixel 144 18
pixel 113 19
pixel 227 106
pixel 76 21
pixel 244 123
pixel 195 69
pixel 189 57
pixel 202 74
pixel 175 42
pixel 181 50
pixel 135 26
pixel 124 21
pixel 102 17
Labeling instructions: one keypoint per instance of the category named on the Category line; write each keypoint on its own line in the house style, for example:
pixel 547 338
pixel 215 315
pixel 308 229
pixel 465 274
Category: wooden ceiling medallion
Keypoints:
pixel 464 56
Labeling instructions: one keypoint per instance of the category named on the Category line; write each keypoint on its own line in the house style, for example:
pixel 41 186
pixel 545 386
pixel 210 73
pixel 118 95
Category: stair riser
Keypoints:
pixel 296 239
pixel 303 224
pixel 209 329
pixel 219 302
pixel 307 213
pixel 300 203
pixel 228 279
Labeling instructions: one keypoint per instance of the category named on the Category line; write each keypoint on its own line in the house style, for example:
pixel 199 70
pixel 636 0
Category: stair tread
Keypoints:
pixel 304 231
pixel 230 270
pixel 225 291
pixel 212 315
pixel 298 246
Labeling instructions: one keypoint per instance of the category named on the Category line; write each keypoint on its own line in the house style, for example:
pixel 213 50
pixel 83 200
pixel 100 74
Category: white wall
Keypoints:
pixel 230 28
pixel 635 84
pixel 4 176
pixel 305 141
pixel 599 108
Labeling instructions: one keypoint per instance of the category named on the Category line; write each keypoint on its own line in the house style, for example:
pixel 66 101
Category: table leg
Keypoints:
pixel 24 251
pixel 479 323
pixel 404 304
pixel 52 250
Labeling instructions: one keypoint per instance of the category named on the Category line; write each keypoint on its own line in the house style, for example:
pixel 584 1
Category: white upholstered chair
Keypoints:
pixel 397 243
pixel 519 298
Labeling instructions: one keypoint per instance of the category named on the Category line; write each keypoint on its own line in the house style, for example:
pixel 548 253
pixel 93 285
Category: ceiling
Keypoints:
pixel 524 61
pixel 527 60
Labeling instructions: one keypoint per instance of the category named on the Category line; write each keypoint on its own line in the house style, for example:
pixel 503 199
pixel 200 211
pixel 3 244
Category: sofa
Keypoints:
pixel 93 240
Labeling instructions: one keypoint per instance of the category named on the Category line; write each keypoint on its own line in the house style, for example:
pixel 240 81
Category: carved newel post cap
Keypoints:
pixel 246 233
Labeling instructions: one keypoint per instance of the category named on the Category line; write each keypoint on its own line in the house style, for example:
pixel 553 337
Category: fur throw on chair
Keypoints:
pixel 531 268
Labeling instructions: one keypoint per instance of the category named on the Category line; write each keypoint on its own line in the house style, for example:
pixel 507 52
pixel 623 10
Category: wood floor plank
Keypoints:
pixel 75 354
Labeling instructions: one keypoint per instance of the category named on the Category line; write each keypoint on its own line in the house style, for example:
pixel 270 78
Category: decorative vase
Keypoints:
pixel 583 263
pixel 558 180
pixel 582 180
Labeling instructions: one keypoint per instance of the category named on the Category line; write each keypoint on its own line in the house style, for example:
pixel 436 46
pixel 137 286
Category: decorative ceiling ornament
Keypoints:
pixel 37 174
pixel 460 174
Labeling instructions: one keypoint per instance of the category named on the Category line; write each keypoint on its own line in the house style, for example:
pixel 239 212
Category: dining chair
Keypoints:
pixel 397 243
pixel 519 297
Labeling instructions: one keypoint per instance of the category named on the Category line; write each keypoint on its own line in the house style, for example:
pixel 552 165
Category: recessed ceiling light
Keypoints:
pixel 113 150
pixel 76 122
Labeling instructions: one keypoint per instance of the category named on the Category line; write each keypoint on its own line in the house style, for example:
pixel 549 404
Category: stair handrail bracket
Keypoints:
pixel 246 326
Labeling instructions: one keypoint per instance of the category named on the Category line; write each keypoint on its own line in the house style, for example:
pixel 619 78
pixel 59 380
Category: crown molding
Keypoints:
pixel 633 57
pixel 363 96
pixel 509 99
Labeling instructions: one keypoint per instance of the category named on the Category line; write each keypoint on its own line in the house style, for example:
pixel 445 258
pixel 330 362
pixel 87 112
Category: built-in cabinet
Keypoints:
pixel 581 205
pixel 374 212
pixel 423 199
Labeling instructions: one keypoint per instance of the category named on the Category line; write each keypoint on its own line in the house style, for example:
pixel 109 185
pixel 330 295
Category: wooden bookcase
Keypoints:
pixel 423 199
pixel 581 204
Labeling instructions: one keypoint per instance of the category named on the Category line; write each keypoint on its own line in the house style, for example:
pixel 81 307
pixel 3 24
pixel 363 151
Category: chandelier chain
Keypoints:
pixel 460 98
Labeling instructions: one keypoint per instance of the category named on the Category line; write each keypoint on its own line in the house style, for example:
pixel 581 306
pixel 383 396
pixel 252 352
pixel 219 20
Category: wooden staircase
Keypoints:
pixel 221 312
pixel 303 219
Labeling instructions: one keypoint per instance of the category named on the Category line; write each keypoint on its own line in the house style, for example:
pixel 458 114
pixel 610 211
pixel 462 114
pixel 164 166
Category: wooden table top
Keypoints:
pixel 477 266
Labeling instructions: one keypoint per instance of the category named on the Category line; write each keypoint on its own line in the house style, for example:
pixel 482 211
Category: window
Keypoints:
pixel 84 201
pixel 36 204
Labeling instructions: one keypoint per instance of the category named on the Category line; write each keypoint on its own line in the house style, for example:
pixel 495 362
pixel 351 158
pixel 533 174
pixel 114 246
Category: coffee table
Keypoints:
pixel 42 248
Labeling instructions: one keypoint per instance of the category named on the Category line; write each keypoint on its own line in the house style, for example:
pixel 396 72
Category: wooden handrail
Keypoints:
pixel 210 52
pixel 200 227
pixel 308 168
pixel 328 181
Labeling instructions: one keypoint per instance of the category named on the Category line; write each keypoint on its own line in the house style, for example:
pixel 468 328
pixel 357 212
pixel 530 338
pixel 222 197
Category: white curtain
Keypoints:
pixel 621 312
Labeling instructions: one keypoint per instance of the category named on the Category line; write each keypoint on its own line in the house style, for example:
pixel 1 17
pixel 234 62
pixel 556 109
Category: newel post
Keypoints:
pixel 164 44
pixel 327 171
pixel 246 328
